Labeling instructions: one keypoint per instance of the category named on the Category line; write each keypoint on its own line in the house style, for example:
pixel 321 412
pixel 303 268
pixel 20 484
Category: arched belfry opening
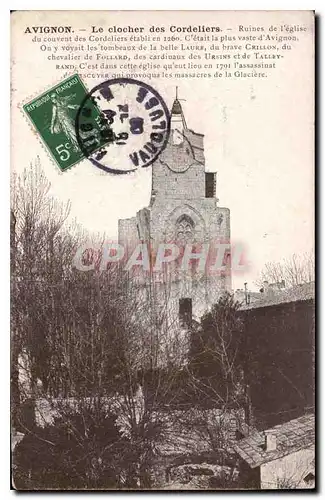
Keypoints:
pixel 184 230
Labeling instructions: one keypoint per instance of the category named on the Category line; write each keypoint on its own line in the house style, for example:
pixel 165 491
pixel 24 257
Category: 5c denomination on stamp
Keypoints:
pixel 53 114
pixel 137 125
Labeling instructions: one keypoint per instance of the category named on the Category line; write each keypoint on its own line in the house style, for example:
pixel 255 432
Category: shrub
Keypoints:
pixel 80 450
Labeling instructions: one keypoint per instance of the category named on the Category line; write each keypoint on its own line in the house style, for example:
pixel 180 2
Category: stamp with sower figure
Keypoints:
pixel 53 114
pixel 120 125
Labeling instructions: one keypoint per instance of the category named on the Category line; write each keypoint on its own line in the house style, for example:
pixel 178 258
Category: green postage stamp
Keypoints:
pixel 53 114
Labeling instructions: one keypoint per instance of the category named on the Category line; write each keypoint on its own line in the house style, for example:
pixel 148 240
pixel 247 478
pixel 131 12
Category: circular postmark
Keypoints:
pixel 129 131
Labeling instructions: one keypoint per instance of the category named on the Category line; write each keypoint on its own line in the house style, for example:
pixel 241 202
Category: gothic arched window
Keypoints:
pixel 184 229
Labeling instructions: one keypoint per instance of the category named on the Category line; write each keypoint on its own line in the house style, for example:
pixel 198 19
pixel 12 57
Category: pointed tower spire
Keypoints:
pixel 177 112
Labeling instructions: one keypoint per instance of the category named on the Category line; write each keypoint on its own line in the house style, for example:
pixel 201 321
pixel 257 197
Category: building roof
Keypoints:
pixel 304 291
pixel 291 436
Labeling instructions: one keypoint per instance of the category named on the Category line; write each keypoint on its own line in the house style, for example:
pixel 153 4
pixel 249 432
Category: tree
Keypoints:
pixel 216 377
pixel 87 339
pixel 105 340
pixel 37 222
pixel 215 348
pixel 81 449
pixel 296 270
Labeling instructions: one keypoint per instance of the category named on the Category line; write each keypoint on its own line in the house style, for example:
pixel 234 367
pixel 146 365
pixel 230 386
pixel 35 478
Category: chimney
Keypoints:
pixel 266 287
pixel 270 440
pixel 247 295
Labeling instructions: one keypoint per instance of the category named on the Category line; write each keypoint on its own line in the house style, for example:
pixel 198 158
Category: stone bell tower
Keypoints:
pixel 184 210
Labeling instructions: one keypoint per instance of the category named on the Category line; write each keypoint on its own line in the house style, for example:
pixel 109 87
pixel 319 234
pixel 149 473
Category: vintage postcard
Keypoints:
pixel 162 250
